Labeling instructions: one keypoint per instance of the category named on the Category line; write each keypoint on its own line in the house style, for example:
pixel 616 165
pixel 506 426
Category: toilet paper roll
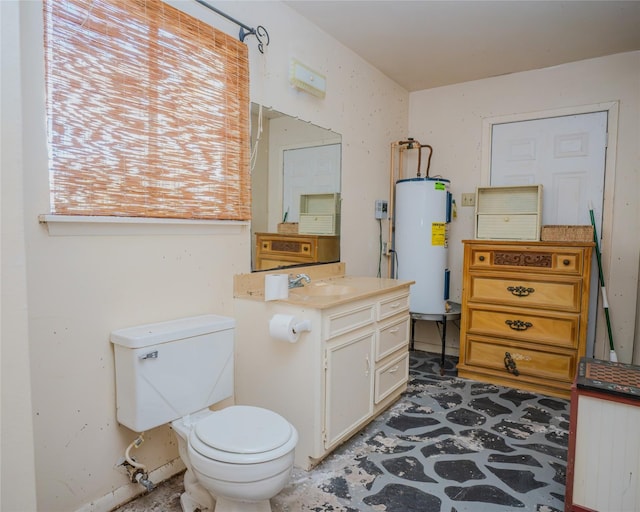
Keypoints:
pixel 276 286
pixel 287 327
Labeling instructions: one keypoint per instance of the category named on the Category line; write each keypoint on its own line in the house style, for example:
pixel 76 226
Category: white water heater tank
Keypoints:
pixel 422 215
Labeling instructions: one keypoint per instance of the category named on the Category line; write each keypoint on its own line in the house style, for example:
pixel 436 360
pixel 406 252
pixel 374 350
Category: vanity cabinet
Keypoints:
pixel 524 313
pixel 275 250
pixel 336 378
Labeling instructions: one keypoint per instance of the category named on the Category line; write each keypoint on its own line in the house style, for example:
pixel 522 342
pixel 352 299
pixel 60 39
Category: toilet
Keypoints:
pixel 237 458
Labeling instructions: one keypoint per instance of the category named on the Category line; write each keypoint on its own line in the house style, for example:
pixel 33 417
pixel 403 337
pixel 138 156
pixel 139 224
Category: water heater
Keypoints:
pixel 422 215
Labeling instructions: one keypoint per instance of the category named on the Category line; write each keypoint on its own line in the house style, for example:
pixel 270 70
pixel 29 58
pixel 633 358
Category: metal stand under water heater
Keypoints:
pixel 422 215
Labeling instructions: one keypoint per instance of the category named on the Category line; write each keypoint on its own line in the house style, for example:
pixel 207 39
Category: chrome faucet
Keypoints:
pixel 296 282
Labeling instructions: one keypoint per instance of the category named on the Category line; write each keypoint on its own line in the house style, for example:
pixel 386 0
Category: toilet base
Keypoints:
pixel 195 497
pixel 225 505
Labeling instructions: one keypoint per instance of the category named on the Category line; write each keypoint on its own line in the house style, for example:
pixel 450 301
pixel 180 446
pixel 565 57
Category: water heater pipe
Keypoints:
pixel 401 146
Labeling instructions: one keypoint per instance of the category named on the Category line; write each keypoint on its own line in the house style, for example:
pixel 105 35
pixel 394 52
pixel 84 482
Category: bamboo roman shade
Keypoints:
pixel 147 112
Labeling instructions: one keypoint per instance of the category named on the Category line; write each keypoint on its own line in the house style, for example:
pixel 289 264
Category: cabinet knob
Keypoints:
pixel 481 258
pixel 565 262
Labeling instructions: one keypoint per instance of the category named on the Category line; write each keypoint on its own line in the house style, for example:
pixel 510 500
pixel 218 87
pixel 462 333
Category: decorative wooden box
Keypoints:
pixel 288 228
pixel 508 213
pixel 567 234
pixel 319 214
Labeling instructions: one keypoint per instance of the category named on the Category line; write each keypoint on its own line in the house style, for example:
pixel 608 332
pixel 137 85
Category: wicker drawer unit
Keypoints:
pixel 524 313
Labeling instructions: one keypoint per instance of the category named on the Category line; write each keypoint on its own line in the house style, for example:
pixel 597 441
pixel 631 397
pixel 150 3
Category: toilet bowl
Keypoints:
pixel 241 455
pixel 237 458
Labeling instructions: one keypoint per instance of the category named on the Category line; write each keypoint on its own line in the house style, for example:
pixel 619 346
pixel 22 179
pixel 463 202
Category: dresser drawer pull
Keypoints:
pixel 394 369
pixel 518 325
pixel 510 364
pixel 565 262
pixel 520 291
pixel 481 258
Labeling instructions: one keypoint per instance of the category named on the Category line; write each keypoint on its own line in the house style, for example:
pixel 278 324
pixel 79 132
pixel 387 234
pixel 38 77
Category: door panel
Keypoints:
pixel 566 155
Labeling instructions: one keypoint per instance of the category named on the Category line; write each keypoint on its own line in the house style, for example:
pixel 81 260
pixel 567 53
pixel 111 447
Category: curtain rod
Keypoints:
pixel 261 33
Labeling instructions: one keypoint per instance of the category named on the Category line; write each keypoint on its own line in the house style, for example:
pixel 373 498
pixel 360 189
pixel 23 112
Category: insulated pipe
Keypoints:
pixel 400 146
pixel 391 203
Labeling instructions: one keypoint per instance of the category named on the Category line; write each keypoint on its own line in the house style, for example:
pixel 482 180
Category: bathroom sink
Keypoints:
pixel 323 290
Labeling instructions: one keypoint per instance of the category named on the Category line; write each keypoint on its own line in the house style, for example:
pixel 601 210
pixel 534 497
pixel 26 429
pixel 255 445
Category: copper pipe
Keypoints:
pixel 428 161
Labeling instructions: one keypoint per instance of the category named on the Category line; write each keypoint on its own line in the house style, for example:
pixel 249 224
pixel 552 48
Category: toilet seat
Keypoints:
pixel 243 435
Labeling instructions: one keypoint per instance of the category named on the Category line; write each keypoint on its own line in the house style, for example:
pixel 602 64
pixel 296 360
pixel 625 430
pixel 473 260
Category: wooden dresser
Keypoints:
pixel 275 250
pixel 524 313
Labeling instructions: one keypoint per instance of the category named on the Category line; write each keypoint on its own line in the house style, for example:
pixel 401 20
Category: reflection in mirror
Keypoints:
pixel 295 186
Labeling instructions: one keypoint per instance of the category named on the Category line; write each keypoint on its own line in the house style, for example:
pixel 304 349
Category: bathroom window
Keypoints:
pixel 147 112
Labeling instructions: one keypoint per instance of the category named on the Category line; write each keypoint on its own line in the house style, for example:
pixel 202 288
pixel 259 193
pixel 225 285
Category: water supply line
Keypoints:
pixel 137 471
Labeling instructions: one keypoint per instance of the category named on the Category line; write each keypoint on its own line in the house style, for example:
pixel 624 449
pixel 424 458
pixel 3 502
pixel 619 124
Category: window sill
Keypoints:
pixel 80 225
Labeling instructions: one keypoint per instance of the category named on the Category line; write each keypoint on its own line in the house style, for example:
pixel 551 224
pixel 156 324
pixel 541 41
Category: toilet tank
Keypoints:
pixel 167 370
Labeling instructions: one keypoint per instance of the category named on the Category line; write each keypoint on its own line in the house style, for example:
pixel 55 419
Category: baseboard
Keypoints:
pixel 435 348
pixel 126 493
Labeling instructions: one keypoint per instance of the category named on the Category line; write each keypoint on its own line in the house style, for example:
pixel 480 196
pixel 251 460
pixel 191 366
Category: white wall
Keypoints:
pixel 450 119
pixel 71 291
pixel 17 489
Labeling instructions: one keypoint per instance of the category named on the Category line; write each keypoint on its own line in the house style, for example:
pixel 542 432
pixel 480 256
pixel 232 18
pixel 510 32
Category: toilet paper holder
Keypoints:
pixel 288 327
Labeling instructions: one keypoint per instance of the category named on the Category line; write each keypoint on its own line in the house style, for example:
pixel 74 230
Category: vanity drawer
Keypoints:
pixel 391 337
pixel 529 361
pixel 559 330
pixel 343 320
pixel 389 306
pixel 391 376
pixel 516 291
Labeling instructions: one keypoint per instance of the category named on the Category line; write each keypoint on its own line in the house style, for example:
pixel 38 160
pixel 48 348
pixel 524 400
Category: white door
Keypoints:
pixel 567 156
pixel 311 170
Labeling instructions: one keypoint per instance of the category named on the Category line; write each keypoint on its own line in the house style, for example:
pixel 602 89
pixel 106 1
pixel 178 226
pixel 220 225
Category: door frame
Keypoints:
pixel 601 346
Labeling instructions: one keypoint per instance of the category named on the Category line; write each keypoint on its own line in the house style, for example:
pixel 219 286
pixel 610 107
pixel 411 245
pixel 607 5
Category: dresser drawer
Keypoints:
pixel 567 261
pixel 391 337
pixel 516 291
pixel 391 376
pixel 558 330
pixel 529 361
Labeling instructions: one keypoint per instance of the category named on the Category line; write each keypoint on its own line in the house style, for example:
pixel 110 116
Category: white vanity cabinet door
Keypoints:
pixel 349 385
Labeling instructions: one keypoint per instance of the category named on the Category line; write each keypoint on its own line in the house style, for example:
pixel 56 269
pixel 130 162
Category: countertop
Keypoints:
pixel 329 286
pixel 319 294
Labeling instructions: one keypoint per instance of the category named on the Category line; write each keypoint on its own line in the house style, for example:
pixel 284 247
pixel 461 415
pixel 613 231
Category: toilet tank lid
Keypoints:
pixel 172 330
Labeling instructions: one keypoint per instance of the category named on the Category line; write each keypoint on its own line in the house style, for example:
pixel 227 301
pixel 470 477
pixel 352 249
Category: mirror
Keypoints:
pixel 295 185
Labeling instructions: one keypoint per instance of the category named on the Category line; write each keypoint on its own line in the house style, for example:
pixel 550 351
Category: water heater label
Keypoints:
pixel 439 233
pixel 440 186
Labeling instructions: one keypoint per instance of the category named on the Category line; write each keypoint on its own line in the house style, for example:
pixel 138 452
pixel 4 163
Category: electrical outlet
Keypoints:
pixel 468 199
pixel 381 209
